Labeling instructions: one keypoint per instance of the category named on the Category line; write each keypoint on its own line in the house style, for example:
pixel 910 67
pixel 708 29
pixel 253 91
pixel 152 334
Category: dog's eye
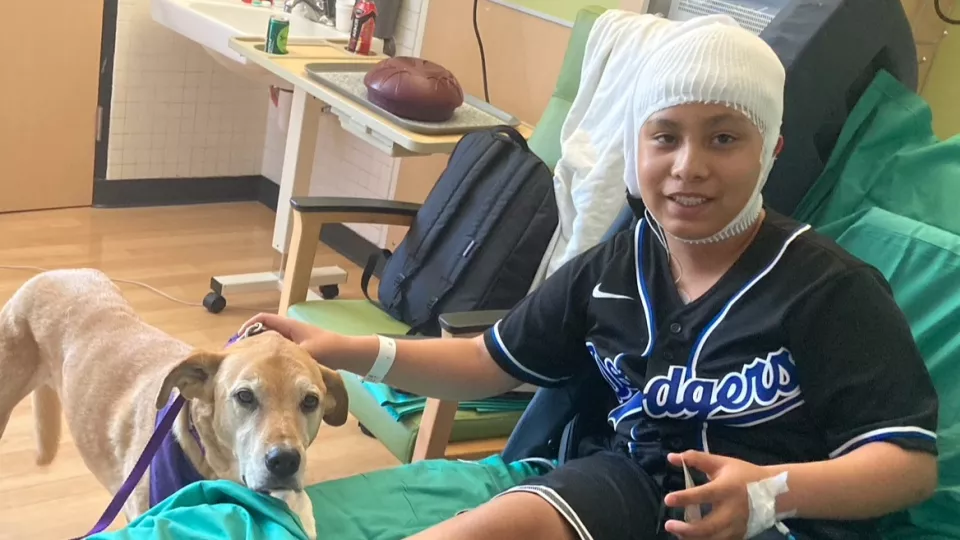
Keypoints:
pixel 310 403
pixel 245 397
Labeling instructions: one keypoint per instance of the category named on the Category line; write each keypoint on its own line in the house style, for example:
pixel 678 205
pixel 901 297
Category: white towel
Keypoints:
pixel 589 177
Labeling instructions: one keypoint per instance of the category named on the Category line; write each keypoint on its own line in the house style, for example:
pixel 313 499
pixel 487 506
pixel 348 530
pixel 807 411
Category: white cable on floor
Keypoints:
pixel 151 288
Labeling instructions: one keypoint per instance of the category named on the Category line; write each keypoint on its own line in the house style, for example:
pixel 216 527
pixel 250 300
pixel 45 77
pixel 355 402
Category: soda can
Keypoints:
pixel 278 29
pixel 364 24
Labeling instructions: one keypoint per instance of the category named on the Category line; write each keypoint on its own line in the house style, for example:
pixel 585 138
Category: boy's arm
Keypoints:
pixel 866 387
pixel 872 481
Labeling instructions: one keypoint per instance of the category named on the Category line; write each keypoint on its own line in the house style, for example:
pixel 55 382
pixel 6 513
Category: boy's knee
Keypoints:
pixel 515 515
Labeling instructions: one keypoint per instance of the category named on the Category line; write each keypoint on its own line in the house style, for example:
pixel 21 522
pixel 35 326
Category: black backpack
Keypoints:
pixel 478 240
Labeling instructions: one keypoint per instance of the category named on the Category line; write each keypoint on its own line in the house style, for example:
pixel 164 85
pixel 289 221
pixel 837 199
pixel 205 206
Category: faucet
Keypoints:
pixel 316 6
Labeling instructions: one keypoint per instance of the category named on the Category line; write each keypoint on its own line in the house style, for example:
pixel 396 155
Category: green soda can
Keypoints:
pixel 277 31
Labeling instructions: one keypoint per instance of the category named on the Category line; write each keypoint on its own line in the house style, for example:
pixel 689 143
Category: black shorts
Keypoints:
pixel 607 496
pixel 604 496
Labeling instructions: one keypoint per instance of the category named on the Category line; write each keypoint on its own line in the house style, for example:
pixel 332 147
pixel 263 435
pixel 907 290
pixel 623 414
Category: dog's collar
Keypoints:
pixel 193 431
pixel 170 467
pixel 252 330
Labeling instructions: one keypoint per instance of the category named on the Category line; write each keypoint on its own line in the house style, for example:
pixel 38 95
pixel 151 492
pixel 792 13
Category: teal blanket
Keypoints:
pixel 390 504
pixel 401 405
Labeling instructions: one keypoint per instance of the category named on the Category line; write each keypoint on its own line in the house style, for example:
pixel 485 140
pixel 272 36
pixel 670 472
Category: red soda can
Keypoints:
pixel 364 23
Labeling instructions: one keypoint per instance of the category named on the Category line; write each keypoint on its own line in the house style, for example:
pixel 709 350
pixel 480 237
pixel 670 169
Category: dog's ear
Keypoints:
pixel 335 402
pixel 192 376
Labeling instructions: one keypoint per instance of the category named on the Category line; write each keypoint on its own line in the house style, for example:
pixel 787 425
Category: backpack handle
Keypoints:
pixel 514 135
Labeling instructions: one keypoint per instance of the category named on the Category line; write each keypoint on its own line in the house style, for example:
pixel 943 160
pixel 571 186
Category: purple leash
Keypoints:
pixel 113 509
pixel 163 428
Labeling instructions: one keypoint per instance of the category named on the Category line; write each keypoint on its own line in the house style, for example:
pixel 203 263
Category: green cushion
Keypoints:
pixel 545 141
pixel 922 264
pixel 887 156
pixel 347 317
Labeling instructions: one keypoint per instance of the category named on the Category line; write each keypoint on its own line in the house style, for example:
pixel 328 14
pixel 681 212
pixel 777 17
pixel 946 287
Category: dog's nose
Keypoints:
pixel 283 461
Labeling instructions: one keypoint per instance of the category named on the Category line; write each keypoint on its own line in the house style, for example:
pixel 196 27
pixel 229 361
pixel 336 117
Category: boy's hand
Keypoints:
pixel 315 341
pixel 726 492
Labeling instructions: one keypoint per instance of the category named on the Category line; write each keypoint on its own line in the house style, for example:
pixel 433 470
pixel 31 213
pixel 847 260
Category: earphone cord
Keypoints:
pixel 943 16
pixel 661 236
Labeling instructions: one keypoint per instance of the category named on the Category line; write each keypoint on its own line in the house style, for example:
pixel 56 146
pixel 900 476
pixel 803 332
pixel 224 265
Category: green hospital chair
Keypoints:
pixel 471 434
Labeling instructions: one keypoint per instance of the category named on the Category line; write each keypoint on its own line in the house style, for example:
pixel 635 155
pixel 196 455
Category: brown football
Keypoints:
pixel 414 88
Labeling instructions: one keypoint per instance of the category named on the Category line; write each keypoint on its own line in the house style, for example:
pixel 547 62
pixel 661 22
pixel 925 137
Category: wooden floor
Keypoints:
pixel 177 250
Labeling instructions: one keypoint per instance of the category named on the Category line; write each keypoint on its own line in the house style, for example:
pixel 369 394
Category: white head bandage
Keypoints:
pixel 710 60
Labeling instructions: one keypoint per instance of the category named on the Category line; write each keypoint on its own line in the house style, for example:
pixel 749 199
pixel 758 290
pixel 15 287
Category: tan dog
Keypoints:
pixel 70 337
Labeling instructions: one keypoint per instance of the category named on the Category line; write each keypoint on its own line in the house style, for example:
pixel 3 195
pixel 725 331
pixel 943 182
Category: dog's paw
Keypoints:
pixel 299 503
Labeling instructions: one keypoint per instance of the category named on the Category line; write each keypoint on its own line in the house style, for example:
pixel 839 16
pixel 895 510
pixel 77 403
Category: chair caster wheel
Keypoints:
pixel 329 292
pixel 214 302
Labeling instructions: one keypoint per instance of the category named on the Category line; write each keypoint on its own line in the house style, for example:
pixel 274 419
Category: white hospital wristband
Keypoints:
pixel 385 357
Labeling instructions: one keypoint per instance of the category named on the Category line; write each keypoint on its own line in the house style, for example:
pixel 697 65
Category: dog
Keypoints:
pixel 251 409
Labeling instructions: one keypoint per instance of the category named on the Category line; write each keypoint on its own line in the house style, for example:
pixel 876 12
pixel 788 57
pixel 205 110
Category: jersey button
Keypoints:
pixel 675 328
pixel 668 356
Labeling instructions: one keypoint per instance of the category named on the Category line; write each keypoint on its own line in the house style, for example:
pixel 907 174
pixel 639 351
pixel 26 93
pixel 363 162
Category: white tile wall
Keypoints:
pixel 176 112
pixel 345 165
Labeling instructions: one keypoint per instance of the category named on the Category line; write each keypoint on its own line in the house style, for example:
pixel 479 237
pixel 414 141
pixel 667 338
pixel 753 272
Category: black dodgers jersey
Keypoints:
pixel 798 353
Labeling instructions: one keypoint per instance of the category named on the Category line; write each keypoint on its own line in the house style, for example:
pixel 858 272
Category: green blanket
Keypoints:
pixel 389 504
pixel 888 157
pixel 402 406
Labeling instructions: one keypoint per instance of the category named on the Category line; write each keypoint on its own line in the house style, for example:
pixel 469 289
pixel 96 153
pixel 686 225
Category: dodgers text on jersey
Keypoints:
pixel 761 390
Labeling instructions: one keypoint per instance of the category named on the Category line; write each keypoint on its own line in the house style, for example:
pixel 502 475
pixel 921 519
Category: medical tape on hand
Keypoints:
pixel 763 504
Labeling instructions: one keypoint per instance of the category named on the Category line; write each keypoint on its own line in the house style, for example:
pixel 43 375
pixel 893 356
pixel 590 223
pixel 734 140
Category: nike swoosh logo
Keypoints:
pixel 597 293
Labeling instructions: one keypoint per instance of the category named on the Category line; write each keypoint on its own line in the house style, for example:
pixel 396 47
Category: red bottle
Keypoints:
pixel 364 23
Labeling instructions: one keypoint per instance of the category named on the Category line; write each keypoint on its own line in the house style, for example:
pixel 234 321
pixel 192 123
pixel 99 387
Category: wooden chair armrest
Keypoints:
pixel 466 323
pixel 309 216
pixel 354 210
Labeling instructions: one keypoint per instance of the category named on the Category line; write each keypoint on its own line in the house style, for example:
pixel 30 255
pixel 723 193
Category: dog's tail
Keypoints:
pixel 46 416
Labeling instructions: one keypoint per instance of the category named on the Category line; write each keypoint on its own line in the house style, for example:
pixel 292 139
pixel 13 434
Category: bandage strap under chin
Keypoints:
pixel 740 224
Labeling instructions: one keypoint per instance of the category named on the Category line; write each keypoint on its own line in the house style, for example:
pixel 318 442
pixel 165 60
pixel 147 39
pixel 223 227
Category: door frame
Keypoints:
pixel 108 41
